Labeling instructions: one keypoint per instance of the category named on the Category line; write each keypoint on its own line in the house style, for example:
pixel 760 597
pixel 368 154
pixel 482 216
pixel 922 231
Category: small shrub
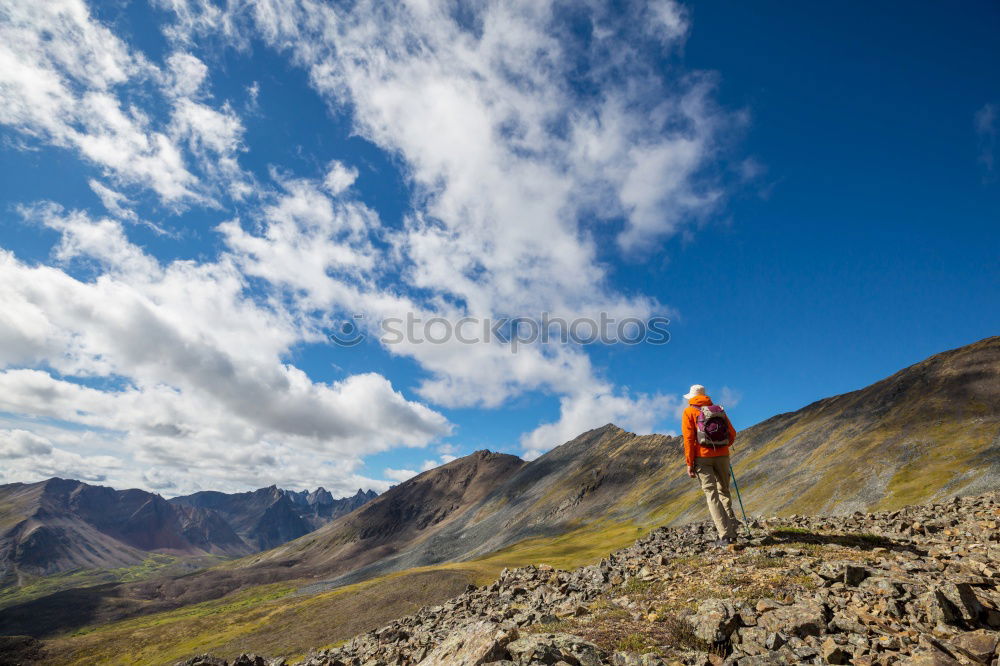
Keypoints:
pixel 636 586
pixel 680 634
pixel 613 613
pixel 731 580
pixel 635 642
pixel 558 626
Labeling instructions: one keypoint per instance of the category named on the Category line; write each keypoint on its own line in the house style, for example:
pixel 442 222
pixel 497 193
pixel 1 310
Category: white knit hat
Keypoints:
pixel 696 389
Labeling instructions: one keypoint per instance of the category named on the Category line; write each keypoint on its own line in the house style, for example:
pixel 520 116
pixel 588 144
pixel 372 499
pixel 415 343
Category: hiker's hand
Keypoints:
pixel 691 471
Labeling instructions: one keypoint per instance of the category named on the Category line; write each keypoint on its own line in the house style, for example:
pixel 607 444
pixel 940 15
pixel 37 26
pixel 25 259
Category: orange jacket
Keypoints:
pixel 689 419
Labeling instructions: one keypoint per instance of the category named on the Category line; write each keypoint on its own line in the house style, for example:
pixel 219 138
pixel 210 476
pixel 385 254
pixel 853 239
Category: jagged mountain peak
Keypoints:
pixel 59 524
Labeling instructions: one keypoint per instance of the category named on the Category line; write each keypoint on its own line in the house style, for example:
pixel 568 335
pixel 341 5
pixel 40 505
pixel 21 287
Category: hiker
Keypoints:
pixel 708 434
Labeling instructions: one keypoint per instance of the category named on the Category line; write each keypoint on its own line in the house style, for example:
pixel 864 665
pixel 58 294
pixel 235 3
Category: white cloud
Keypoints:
pixel 193 377
pixel 516 164
pixel 67 80
pixel 197 18
pixel 668 20
pixel 512 165
pixel 21 444
pixel 431 463
pixel 185 76
pixel 30 456
pixel 214 138
pixel 399 475
pixel 339 177
pixel 120 207
pixel 115 202
pixel 502 147
pixel 583 411
pixel 101 240
pixel 58 70
pixel 730 397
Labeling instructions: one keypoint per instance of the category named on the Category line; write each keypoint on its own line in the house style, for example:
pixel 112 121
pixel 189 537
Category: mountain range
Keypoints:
pixel 268 517
pixel 61 525
pixel 929 431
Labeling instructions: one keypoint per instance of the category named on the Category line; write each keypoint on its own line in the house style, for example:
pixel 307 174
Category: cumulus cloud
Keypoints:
pixel 730 397
pixel 21 444
pixel 45 451
pixel 514 166
pixel 197 18
pixel 193 368
pixel 68 80
pixel 431 463
pixel 185 76
pixel 58 73
pixel 399 475
pixel 583 411
pixel 503 146
pixel 116 203
pixel 524 144
pixel 339 177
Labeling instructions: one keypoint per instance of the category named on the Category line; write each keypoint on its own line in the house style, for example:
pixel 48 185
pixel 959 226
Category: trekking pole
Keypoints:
pixel 746 523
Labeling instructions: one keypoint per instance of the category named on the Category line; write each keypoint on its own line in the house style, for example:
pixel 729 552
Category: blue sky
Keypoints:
pixel 194 194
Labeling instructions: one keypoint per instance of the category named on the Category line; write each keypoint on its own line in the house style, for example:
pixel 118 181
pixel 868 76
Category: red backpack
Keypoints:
pixel 712 426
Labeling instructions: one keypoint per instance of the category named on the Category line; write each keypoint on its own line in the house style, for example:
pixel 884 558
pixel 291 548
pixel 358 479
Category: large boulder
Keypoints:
pixel 756 640
pixel 715 621
pixel 250 659
pixel 553 648
pixel 980 645
pixel 802 619
pixel 954 604
pixel 481 643
pixel 932 653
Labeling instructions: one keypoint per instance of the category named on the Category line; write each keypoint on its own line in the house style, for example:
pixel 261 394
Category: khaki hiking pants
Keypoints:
pixel 713 473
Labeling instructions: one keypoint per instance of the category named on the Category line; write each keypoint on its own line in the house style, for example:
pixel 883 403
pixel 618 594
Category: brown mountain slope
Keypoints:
pixel 60 525
pixel 400 517
pixel 928 431
pixel 404 515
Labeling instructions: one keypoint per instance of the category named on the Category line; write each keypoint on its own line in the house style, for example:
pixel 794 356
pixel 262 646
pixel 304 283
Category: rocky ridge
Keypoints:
pixel 935 426
pixel 268 517
pixel 920 585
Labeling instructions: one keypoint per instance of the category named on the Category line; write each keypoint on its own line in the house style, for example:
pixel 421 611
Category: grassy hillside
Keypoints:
pixel 155 564
pixel 929 431
pixel 279 620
